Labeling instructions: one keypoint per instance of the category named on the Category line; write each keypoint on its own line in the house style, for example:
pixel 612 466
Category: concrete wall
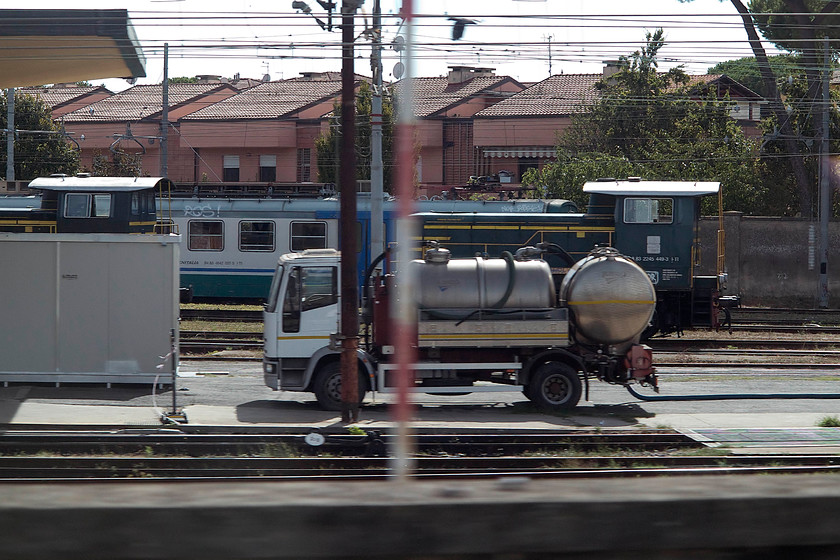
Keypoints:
pixel 772 262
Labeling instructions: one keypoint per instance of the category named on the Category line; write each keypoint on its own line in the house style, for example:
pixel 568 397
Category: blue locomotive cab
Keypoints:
pixel 657 225
pixel 83 204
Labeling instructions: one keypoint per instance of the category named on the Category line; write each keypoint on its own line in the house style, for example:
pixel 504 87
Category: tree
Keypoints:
pixel 650 124
pixel 327 144
pixel 797 26
pixel 40 148
pixel 746 72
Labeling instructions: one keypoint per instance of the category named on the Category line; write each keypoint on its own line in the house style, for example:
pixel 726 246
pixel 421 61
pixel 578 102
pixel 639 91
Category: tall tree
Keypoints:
pixel 650 124
pixel 40 147
pixel 797 26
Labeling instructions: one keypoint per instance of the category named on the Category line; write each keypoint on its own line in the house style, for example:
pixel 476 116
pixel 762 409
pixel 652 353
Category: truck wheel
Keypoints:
pixel 554 386
pixel 327 386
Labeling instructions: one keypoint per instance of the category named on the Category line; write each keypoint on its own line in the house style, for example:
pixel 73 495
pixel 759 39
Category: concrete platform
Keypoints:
pixel 768 517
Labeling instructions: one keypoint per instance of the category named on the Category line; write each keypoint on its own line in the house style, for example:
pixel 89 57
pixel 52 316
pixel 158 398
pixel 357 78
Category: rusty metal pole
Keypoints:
pixel 347 182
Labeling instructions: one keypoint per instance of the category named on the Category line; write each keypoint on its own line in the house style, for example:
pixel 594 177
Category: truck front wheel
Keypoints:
pixel 554 386
pixel 327 386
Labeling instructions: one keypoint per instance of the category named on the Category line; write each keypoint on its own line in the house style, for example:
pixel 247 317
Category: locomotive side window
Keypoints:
pixel 207 235
pixel 308 235
pixel 648 210
pixel 83 205
pixel 101 205
pixel 256 236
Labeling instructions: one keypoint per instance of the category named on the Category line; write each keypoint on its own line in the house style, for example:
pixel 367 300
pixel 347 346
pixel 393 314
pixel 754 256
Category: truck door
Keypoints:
pixel 309 310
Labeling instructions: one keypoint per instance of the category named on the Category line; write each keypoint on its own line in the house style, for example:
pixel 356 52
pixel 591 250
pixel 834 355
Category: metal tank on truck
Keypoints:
pixel 482 324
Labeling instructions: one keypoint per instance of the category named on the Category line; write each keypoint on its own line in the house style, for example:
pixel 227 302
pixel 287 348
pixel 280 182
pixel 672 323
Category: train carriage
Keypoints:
pixel 231 245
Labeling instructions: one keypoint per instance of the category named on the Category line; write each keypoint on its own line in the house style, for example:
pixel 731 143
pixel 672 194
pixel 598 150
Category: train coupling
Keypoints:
pixel 639 363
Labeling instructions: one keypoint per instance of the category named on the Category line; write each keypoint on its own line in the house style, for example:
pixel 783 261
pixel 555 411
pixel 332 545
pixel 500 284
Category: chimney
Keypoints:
pixel 461 74
pixel 611 67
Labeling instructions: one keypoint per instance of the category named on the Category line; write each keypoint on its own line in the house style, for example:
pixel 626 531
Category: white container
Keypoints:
pixel 87 307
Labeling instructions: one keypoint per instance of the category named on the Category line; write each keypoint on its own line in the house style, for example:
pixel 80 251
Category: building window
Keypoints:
pixel 304 165
pixel 207 235
pixel 256 236
pixel 231 169
pixel 80 205
pixel 268 169
pixel 308 235
pixel 648 210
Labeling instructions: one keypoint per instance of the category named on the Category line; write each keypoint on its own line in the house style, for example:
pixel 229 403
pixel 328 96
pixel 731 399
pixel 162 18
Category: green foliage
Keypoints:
pixel 327 146
pixel 37 154
pixel 118 164
pixel 785 24
pixel 784 197
pixel 651 125
pixel 183 80
pixel 745 70
pixel 829 422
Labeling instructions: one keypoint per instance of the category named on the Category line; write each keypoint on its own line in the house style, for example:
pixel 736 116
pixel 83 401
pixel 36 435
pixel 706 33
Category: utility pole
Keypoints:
pixel 347 182
pixel 377 245
pixel 164 116
pixel 10 134
pixel 825 204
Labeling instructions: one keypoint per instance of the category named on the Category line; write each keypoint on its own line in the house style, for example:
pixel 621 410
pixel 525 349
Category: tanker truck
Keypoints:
pixel 482 324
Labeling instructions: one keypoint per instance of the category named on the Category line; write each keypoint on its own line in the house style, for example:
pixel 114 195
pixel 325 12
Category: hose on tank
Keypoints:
pixel 511 268
pixel 731 396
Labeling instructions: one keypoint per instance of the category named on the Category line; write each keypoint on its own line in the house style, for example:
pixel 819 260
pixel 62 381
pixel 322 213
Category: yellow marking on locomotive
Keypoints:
pixel 613 302
pixel 484 336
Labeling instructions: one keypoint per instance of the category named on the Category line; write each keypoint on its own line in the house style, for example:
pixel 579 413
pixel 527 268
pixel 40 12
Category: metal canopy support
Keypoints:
pixel 825 204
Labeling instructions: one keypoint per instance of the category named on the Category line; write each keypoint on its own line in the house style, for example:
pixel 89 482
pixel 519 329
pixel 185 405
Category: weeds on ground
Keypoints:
pixel 829 422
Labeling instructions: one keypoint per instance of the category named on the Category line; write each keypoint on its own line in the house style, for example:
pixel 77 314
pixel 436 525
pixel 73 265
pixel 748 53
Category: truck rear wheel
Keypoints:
pixel 327 386
pixel 555 386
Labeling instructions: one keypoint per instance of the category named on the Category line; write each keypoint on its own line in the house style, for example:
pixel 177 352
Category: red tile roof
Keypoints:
pixel 435 95
pixel 562 94
pixel 271 100
pixel 58 96
pixel 141 102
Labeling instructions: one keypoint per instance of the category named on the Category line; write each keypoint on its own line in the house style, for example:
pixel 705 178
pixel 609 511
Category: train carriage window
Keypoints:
pixel 648 210
pixel 206 235
pixel 256 236
pixel 308 235
pixel 84 205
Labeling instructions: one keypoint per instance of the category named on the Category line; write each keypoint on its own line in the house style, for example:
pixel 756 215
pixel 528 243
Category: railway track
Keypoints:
pixel 162 455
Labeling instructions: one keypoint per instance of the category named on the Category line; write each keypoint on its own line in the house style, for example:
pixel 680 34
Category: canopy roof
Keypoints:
pixel 652 188
pixel 84 183
pixel 64 46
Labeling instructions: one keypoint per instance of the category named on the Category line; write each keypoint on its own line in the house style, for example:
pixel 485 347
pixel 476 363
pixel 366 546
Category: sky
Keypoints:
pixel 527 40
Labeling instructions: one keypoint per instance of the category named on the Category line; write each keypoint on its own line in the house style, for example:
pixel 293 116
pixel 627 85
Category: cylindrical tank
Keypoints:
pixel 610 297
pixel 479 283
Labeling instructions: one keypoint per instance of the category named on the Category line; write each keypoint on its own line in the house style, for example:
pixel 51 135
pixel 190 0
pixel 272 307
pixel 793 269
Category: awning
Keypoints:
pixel 65 46
pixel 519 152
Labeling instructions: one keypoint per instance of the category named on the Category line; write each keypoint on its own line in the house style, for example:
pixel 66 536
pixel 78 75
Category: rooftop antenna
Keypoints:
pixel 549 38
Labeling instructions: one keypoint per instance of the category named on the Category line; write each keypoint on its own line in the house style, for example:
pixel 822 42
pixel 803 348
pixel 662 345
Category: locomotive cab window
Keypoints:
pixel 83 205
pixel 308 235
pixel 648 210
pixel 256 236
pixel 206 235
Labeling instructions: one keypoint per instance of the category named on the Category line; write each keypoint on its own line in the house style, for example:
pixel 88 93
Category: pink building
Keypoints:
pixel 469 123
